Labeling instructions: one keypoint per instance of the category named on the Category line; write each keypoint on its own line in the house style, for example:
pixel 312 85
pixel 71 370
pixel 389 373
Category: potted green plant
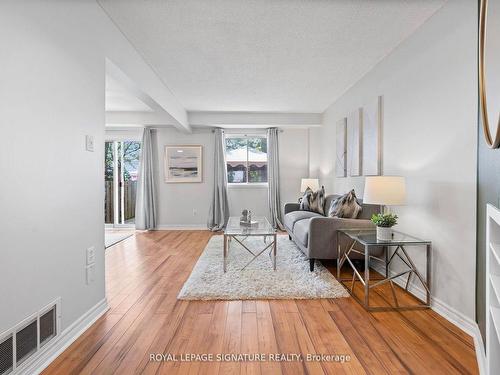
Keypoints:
pixel 384 223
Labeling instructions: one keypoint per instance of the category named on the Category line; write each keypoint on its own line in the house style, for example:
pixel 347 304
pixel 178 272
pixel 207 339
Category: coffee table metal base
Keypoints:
pixel 272 245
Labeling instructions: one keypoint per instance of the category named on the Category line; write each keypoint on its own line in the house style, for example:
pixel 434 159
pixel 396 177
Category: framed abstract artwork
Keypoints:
pixel 341 148
pixel 183 164
pixel 354 142
pixel 372 138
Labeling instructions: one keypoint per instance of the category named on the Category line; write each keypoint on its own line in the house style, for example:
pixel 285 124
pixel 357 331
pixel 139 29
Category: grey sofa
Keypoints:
pixel 316 235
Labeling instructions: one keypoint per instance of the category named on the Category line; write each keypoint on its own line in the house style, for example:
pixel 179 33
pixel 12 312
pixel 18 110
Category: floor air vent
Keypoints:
pixel 25 340
pixel 47 326
pixel 6 355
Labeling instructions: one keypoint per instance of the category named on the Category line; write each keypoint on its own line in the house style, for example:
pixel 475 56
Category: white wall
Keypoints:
pixel 52 81
pixel 176 202
pixel 430 122
pixel 51 96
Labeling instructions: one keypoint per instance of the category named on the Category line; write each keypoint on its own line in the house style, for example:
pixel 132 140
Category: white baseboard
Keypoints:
pixel 49 353
pixel 182 227
pixel 454 316
pixel 480 351
pixel 451 314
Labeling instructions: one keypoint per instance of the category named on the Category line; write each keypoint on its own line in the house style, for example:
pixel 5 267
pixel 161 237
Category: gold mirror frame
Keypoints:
pixel 492 143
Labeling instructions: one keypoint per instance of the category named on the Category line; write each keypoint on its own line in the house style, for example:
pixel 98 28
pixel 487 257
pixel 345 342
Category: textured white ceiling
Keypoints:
pixel 265 55
pixel 118 98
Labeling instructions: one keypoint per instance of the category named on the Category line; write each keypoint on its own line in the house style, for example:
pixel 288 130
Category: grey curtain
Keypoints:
pixel 145 204
pixel 273 178
pixel 219 207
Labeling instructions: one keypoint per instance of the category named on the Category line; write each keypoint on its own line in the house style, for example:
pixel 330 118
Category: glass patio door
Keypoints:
pixel 121 159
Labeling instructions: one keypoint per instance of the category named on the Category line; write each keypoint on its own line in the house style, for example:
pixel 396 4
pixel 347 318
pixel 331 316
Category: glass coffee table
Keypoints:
pixel 393 249
pixel 237 232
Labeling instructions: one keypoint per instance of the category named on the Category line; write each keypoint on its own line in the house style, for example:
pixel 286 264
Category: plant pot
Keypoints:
pixel 384 233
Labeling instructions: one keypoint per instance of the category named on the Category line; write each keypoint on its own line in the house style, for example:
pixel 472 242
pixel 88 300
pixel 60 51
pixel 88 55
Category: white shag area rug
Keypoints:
pixel 291 280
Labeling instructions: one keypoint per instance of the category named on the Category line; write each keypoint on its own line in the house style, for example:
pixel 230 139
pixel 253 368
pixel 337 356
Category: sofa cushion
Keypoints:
pixel 368 211
pixel 301 231
pixel 292 217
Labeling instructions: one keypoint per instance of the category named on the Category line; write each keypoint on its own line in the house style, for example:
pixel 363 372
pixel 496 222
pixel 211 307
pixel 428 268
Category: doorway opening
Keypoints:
pixel 121 160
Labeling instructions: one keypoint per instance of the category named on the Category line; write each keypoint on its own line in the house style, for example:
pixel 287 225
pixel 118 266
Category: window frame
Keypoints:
pixel 247 184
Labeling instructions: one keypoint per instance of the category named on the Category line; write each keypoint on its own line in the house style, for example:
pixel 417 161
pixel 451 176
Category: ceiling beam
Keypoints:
pixel 254 119
pixel 139 118
pixel 219 119
pixel 164 111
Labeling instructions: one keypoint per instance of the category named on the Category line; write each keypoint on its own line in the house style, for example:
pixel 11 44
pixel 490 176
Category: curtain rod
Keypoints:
pixel 279 130
pixel 212 129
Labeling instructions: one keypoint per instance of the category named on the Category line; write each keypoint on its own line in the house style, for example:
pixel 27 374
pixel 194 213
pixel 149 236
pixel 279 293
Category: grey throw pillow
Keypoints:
pixel 346 206
pixel 313 201
pixel 304 200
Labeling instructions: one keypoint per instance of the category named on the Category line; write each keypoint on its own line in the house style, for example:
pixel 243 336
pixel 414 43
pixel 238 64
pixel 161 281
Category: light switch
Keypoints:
pixel 89 143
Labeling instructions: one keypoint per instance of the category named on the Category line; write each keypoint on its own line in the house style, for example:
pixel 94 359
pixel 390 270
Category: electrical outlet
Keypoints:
pixel 89 143
pixel 90 255
pixel 195 212
pixel 90 271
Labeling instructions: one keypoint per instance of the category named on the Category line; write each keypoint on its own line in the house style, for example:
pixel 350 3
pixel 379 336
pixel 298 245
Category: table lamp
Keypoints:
pixel 385 191
pixel 311 183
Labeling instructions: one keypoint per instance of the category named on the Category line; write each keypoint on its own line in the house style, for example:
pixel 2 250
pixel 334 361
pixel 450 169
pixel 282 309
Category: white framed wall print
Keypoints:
pixel 341 148
pixel 183 164
pixel 372 133
pixel 354 142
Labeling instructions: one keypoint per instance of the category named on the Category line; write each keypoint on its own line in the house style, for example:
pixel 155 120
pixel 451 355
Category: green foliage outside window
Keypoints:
pixel 259 143
pixel 131 151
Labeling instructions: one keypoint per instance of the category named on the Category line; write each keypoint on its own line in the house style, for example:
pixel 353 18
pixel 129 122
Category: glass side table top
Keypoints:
pixel 262 228
pixel 369 237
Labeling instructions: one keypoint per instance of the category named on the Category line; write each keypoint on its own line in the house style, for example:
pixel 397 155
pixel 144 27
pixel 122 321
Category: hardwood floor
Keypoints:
pixel 145 272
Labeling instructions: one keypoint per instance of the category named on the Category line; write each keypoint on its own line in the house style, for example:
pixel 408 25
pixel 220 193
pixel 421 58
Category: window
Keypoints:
pixel 246 158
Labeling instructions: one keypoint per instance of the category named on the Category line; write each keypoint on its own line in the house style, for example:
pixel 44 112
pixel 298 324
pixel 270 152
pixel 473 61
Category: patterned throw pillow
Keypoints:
pixel 346 206
pixel 304 200
pixel 313 201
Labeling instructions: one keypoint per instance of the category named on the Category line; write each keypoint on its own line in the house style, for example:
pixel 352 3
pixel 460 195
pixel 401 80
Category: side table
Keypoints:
pixel 392 249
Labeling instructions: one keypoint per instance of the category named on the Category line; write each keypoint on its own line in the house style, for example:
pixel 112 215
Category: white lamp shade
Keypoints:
pixel 385 190
pixel 311 183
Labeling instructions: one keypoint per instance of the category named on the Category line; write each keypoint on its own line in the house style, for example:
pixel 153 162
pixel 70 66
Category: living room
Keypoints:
pixel 250 187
